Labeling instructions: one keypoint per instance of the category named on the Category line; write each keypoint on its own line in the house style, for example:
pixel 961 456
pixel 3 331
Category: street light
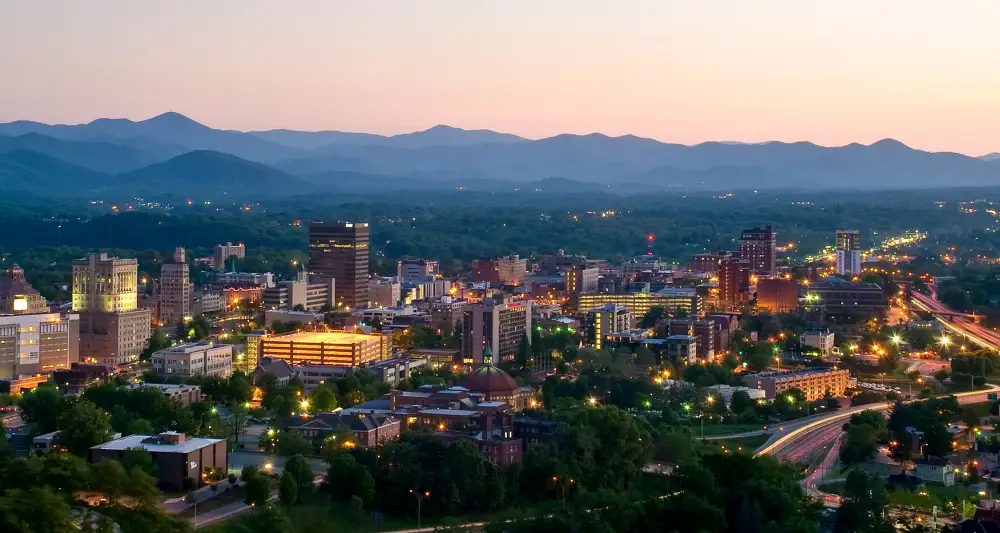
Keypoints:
pixel 420 498
pixel 944 340
pixel 896 339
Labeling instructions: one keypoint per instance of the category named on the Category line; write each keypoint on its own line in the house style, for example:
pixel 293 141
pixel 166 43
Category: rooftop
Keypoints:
pixel 327 337
pixel 155 444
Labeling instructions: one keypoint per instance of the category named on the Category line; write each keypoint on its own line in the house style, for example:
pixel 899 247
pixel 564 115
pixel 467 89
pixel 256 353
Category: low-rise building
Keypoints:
pixel 777 295
pixel 265 279
pixel 304 293
pixel 182 462
pixel 726 392
pixel 194 359
pixel 369 430
pixel 206 301
pixel 820 339
pixel 682 348
pixel 334 348
pixel 183 394
pixel 383 292
pixel 80 377
pixel 280 369
pixel 814 382
pixel 287 316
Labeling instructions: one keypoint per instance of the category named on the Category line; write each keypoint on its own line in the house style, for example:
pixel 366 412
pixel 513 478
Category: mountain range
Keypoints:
pixel 173 155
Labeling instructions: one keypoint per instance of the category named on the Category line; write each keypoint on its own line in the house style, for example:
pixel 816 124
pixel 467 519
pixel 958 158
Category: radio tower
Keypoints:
pixel 649 243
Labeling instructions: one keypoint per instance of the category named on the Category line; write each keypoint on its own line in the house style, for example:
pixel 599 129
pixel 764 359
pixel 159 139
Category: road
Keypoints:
pixel 963 327
pixel 798 439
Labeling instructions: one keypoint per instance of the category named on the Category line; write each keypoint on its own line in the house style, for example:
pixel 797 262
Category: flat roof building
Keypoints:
pixel 38 344
pixel 182 462
pixel 337 348
pixel 814 382
pixel 113 329
pixel 640 303
pixel 339 251
pixel 194 359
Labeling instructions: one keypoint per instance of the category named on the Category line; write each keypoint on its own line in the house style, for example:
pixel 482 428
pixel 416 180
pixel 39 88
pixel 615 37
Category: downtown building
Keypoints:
pixel 225 252
pixel 175 290
pixel 734 284
pixel 607 320
pixel 339 251
pixel 508 270
pixel 684 300
pixel 848 252
pixel 495 325
pixel 581 280
pixel 113 329
pixel 416 269
pixel 194 359
pixel 758 247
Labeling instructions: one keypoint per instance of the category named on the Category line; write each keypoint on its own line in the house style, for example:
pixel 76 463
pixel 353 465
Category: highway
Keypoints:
pixel 962 327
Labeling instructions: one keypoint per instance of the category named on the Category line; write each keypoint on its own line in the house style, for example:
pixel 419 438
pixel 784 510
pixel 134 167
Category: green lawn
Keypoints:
pixel 745 444
pixel 712 430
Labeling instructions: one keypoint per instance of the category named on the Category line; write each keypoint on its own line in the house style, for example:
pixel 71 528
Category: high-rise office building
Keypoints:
pixel 113 329
pixel 757 247
pixel 175 290
pixel 17 296
pixel 495 323
pixel 223 252
pixel 339 250
pixel 848 252
pixel 734 283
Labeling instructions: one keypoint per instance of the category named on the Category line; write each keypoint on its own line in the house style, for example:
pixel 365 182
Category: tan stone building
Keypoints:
pixel 17 296
pixel 113 329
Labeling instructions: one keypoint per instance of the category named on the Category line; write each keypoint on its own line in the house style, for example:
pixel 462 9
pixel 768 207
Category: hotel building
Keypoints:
pixel 113 329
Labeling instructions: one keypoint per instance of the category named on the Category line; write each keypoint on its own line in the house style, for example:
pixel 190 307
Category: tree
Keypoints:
pixel 109 478
pixel 43 407
pixel 139 458
pixel 346 478
pixel 257 488
pixel 298 468
pixel 157 341
pixel 83 426
pixel 860 445
pixel 740 402
pixel 38 509
pixel 652 317
pixel 323 399
pixel 288 490
pixel 291 442
pixel 238 389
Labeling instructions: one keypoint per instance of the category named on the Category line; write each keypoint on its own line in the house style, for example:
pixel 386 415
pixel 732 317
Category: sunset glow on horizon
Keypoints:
pixel 920 71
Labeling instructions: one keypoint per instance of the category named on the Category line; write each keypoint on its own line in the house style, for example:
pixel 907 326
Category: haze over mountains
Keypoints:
pixel 172 155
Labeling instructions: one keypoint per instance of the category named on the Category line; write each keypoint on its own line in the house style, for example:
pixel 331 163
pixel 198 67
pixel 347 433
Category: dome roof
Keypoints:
pixel 489 380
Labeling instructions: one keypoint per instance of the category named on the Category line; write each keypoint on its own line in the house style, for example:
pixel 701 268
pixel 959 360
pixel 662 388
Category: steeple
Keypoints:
pixel 488 356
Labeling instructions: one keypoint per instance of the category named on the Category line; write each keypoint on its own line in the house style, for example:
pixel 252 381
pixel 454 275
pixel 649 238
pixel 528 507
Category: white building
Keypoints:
pixel 194 359
pixel 726 392
pixel 257 279
pixel 38 343
pixel 819 339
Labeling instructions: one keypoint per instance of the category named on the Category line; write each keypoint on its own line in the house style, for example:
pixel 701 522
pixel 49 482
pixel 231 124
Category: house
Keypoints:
pixel 937 470
pixel 881 466
pixel 369 430
pixel 279 367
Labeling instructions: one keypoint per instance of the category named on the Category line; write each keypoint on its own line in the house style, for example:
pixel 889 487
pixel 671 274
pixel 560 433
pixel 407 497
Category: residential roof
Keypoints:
pixel 155 444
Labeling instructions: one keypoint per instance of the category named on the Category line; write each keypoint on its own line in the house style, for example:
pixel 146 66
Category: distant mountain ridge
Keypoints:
pixel 173 154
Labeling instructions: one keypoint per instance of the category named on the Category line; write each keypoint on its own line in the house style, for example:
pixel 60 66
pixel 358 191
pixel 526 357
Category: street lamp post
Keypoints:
pixel 420 498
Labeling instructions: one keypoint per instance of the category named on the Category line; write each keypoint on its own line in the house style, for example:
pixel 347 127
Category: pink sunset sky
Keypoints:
pixel 832 72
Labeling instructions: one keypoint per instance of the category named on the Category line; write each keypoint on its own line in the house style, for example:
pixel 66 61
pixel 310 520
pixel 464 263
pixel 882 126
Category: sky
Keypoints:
pixel 832 72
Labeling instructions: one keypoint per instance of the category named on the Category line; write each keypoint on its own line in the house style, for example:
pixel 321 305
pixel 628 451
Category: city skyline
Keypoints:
pixel 770 71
